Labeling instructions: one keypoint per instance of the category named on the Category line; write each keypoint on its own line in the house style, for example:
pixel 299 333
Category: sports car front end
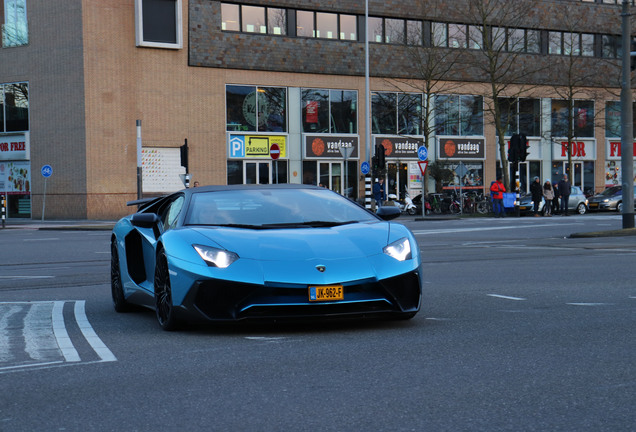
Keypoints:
pixel 347 271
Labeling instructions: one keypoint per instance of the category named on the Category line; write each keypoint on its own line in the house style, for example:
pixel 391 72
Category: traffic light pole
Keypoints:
pixel 627 123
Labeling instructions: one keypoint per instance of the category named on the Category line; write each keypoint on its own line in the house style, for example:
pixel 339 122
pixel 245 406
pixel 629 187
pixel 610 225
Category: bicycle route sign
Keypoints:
pixel 47 171
pixel 422 153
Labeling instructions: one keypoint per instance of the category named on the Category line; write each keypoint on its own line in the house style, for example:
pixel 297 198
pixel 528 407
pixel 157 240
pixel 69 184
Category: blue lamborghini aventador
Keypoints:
pixel 273 252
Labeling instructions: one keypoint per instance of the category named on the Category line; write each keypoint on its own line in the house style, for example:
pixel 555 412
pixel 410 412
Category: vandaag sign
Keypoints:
pixel 461 148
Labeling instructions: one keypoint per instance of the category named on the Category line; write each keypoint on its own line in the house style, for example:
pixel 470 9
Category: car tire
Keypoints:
pixel 581 209
pixel 116 286
pixel 163 294
pixel 619 207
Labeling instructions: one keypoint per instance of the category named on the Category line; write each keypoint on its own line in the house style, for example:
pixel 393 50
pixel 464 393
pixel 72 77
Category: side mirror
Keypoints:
pixel 388 212
pixel 145 220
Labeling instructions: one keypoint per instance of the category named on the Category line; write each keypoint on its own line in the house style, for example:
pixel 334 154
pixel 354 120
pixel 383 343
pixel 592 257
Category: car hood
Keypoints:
pixel 300 244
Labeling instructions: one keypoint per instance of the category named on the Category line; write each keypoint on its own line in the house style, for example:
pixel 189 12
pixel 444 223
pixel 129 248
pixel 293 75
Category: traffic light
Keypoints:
pixel 184 155
pixel 513 151
pixel 379 154
pixel 523 148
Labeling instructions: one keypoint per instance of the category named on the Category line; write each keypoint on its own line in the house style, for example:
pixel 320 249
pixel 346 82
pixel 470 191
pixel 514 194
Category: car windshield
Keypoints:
pixel 611 191
pixel 274 208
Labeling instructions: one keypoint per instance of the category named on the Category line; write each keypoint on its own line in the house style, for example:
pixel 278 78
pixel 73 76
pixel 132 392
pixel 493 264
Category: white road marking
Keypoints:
pixel 26 277
pixel 507 297
pixel 588 304
pixel 42 239
pixel 493 228
pixel 43 336
pixel 89 334
pixel 39 338
pixel 59 329
pixel 5 337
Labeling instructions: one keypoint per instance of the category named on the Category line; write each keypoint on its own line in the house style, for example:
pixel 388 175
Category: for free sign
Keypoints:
pixel 14 147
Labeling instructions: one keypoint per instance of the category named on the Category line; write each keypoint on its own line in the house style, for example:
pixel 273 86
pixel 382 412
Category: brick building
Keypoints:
pixel 234 78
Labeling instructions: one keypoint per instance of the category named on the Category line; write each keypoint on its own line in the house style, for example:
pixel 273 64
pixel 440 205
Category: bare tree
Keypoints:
pixel 577 86
pixel 500 42
pixel 428 69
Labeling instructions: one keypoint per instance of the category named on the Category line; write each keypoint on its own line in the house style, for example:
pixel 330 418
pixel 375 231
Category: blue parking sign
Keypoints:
pixel 422 153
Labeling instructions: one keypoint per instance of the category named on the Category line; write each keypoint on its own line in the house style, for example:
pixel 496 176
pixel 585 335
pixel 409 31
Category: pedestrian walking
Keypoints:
pixel 379 193
pixel 537 195
pixel 497 190
pixel 548 196
pixel 564 192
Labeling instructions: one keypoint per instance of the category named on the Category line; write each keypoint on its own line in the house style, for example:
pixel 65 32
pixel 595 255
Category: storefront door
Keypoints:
pixel 257 172
pixel 397 177
pixel 330 174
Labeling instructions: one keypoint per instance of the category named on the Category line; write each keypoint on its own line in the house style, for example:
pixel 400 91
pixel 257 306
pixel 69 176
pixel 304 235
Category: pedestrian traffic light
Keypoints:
pixel 379 154
pixel 184 155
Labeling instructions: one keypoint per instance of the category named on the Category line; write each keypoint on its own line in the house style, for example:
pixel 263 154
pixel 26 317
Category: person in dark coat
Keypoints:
pixel 564 193
pixel 379 193
pixel 537 195
pixel 555 201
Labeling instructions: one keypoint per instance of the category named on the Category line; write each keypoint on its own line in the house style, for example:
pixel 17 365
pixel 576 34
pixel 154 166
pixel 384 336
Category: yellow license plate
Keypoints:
pixel 593 205
pixel 523 208
pixel 326 293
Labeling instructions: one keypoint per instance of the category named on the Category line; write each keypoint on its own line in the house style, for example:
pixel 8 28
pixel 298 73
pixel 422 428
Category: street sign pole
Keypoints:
pixel 46 171
pixel 139 177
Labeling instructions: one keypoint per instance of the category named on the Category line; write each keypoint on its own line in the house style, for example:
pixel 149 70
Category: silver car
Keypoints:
pixel 577 202
pixel 610 199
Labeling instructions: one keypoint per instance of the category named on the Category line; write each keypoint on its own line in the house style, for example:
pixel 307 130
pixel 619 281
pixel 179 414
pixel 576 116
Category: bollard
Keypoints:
pixel 4 201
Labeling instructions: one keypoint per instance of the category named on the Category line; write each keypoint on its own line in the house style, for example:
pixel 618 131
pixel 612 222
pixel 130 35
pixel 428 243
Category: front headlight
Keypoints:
pixel 216 257
pixel 400 249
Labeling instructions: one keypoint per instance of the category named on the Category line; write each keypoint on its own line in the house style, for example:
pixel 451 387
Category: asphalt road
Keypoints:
pixel 522 329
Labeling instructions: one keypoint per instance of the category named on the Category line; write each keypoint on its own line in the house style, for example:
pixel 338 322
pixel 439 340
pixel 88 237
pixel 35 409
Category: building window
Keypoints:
pixel 305 24
pixel 329 111
pixel 611 46
pixel 14 107
pixel 256 109
pixel 459 115
pixel 439 33
pixel 348 27
pixel 521 116
pixel 395 31
pixel 414 34
pixel 396 113
pixel 326 25
pixel 375 32
pixel 253 19
pixel 581 116
pixel 158 23
pixel 457 36
pixel 276 21
pixel 230 19
pixel 14 26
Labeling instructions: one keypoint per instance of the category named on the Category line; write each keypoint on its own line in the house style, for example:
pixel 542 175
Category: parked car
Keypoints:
pixel 577 202
pixel 263 252
pixel 610 199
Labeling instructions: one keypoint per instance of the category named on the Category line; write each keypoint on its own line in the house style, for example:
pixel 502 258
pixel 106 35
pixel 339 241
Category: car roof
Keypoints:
pixel 240 187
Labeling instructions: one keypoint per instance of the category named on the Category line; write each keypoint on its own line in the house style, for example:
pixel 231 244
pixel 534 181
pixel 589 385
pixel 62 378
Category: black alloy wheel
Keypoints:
pixel 163 294
pixel 116 287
